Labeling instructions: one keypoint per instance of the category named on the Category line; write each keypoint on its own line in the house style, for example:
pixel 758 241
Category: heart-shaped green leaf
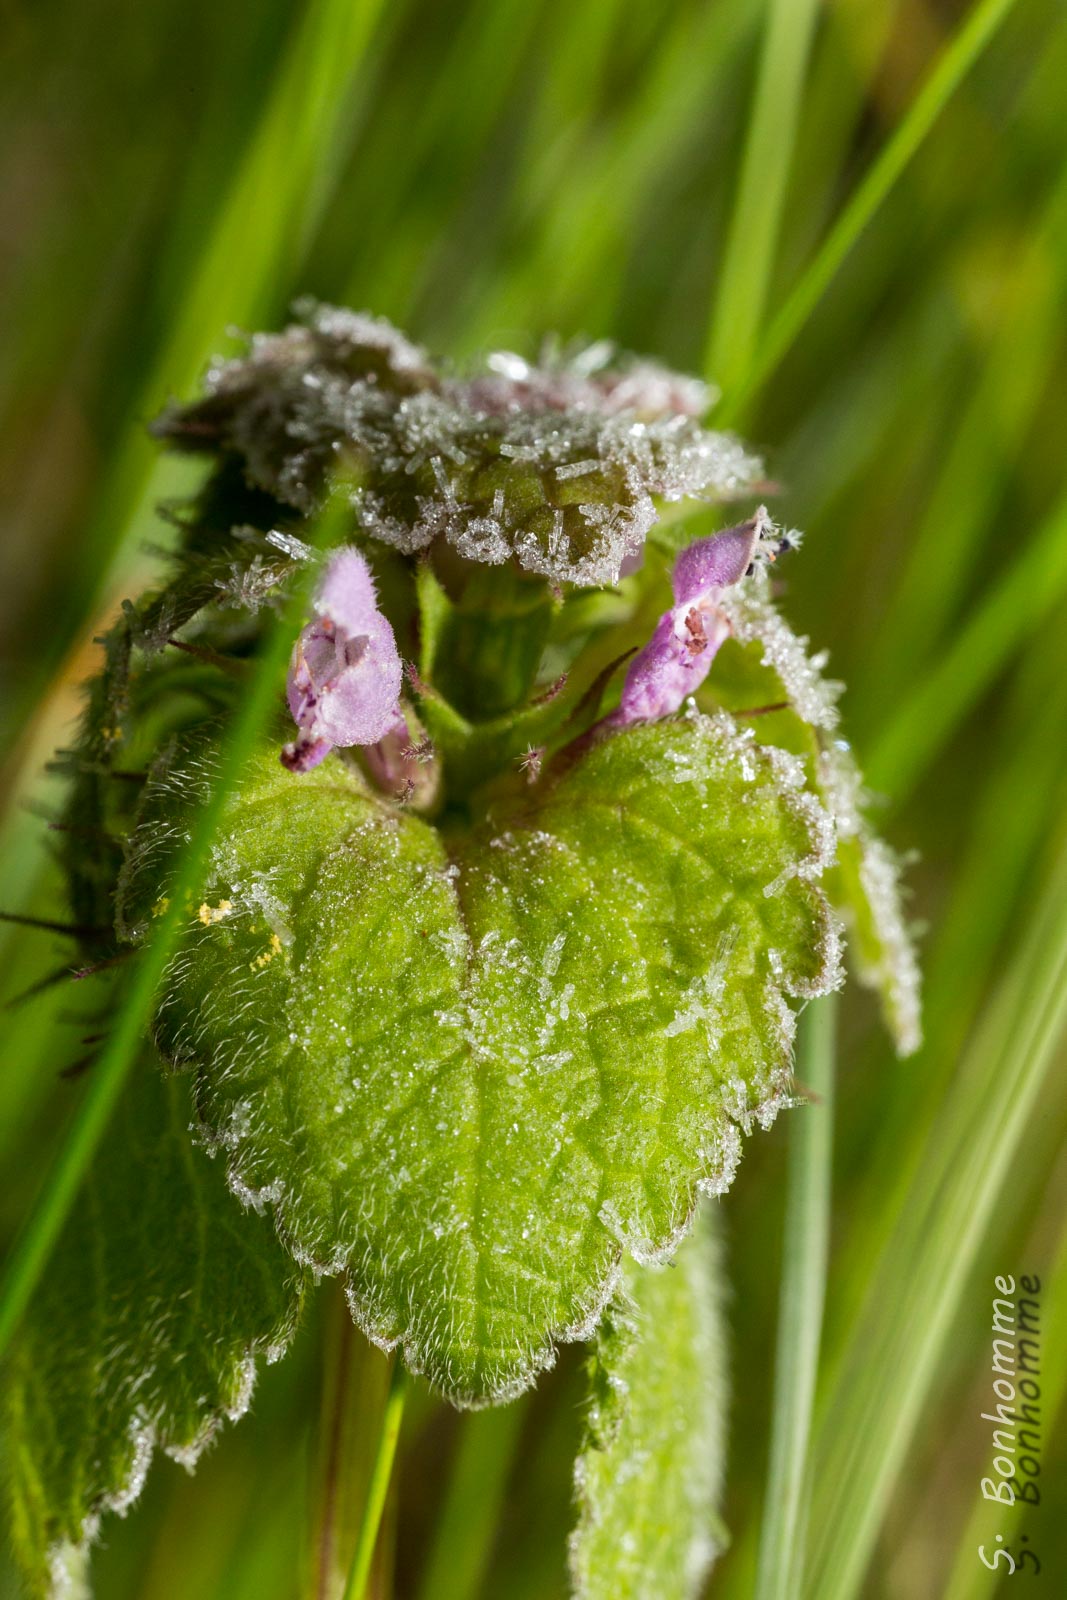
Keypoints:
pixel 470 1065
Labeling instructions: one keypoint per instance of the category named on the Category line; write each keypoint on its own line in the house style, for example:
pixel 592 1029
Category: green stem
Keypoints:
pixel 952 67
pixel 381 1473
pixel 335 1410
pixel 805 1251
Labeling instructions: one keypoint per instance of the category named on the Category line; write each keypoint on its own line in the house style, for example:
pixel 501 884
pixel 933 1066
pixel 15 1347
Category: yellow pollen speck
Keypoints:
pixel 160 907
pixel 209 914
pixel 266 956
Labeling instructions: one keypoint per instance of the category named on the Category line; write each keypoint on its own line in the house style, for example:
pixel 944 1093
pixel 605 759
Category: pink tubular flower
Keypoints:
pixel 345 672
pixel 676 659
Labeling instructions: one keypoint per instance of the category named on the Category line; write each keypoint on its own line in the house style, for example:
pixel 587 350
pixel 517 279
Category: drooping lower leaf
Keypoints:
pixel 651 1466
pixel 467 1066
pixel 160 1296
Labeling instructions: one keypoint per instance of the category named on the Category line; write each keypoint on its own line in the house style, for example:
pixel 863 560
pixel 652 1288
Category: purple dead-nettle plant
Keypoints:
pixel 486 980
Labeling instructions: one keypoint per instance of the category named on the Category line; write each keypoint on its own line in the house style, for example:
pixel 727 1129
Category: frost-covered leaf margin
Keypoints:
pixel 867 885
pixel 159 1299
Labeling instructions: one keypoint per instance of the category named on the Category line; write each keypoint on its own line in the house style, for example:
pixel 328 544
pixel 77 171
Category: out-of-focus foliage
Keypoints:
pixel 652 1463
pixel 487 172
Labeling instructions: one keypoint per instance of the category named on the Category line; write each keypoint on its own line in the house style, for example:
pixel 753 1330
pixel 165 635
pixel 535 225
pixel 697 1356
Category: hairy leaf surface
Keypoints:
pixel 651 1467
pixel 470 1066
pixel 160 1295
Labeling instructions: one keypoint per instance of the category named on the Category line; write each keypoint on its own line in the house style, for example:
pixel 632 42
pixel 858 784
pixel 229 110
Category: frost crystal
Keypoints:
pixel 752 617
pixel 559 465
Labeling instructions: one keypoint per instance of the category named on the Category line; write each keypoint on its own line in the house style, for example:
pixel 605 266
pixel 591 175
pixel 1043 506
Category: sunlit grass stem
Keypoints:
pixel 381 1473
pixel 745 273
pixel 805 1251
pixel 871 1416
pixel 955 62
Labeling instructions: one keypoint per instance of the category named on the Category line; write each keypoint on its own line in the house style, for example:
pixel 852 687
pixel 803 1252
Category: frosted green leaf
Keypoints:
pixel 868 884
pixel 765 664
pixel 145 1332
pixel 470 1066
pixel 650 1471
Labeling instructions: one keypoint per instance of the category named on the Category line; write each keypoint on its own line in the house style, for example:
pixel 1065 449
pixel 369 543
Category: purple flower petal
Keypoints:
pixel 677 658
pixel 345 673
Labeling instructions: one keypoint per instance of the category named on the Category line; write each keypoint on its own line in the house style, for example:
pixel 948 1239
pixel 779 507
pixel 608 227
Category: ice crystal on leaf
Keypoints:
pixel 651 1466
pixel 559 465
pixel 162 1298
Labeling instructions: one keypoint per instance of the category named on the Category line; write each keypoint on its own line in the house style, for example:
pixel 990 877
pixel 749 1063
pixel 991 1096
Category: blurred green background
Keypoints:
pixel 681 176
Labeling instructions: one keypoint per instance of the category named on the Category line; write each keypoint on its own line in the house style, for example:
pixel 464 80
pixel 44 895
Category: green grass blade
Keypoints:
pixel 878 1401
pixel 128 1029
pixel 752 239
pixel 804 1261
pixel 1005 830
pixel 569 273
pixel 479 73
pixel 381 1473
pixel 984 448
pixel 923 723
pixel 954 64
pixel 247 264
pixel 470 1518
pixel 250 255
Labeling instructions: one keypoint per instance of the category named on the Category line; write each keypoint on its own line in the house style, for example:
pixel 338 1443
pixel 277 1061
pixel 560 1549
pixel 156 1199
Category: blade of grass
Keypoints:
pixel 803 1286
pixel 569 269
pixel 923 723
pixel 32 1248
pixel 752 239
pixel 381 1473
pixel 984 446
pixel 252 251
pixel 963 50
pixel 246 266
pixel 850 50
pixel 469 1521
pixel 479 73
pixel 1007 826
pixel 868 1424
